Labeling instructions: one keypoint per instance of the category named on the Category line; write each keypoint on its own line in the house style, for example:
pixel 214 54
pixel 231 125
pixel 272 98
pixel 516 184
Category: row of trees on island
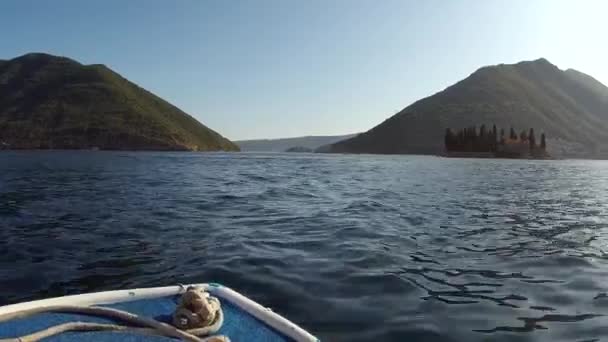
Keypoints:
pixel 471 139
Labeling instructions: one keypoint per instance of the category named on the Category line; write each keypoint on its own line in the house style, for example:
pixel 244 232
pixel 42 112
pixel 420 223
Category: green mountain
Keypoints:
pixel 54 102
pixel 569 106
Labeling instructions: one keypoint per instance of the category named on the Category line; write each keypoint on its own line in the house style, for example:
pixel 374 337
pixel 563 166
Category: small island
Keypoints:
pixel 483 143
pixel 300 149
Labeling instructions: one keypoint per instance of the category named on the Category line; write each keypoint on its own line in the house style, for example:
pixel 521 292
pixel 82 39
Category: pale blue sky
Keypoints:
pixel 279 68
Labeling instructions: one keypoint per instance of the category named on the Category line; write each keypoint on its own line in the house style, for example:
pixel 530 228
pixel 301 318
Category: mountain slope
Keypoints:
pixel 55 102
pixel 569 106
pixel 280 145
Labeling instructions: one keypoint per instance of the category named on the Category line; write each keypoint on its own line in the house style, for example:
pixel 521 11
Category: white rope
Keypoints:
pixel 145 325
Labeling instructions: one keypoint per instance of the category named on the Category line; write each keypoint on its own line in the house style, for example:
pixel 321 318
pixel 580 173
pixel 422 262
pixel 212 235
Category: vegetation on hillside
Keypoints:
pixel 569 106
pixel 520 145
pixel 57 103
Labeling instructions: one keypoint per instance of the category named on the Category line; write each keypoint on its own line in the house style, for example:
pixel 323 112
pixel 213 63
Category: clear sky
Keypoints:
pixel 280 68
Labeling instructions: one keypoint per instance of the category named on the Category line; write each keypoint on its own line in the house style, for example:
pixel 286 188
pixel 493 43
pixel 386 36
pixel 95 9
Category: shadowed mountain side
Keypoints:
pixel 569 106
pixel 49 102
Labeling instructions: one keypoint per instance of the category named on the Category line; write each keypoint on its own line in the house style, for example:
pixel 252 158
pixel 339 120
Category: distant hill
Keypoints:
pixel 50 102
pixel 280 145
pixel 299 149
pixel 569 106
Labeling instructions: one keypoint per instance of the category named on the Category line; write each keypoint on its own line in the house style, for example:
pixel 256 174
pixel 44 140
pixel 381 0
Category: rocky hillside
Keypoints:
pixel 569 106
pixel 49 102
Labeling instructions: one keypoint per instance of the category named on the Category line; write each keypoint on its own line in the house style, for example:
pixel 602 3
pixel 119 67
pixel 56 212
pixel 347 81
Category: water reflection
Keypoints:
pixel 400 247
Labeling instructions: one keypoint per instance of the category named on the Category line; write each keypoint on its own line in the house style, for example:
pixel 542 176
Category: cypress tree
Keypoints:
pixel 481 142
pixel 493 138
pixel 513 135
pixel 449 139
pixel 471 137
pixel 474 138
pixel 543 143
pixel 502 136
pixel 532 139
pixel 460 139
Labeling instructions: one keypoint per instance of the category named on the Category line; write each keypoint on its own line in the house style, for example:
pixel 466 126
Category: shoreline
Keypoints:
pixel 493 155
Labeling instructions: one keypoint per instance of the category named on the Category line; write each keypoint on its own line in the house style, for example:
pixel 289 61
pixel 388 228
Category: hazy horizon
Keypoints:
pixel 277 69
pixel 299 136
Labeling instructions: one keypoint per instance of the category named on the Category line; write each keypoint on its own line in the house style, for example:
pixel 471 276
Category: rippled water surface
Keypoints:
pixel 353 248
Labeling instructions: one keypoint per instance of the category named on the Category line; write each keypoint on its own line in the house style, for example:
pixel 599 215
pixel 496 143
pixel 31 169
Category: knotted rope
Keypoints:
pixel 197 315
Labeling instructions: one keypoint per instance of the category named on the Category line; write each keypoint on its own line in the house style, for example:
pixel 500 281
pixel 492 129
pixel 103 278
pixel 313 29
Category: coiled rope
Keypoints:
pixel 197 315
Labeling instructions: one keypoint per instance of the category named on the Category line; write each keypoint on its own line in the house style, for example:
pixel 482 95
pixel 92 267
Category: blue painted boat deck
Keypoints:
pixel 238 324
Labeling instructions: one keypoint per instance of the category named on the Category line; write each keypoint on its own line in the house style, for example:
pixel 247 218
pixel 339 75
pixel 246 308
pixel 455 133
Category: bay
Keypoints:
pixel 351 247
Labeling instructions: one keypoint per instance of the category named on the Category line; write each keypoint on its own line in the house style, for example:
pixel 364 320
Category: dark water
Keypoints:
pixel 353 248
